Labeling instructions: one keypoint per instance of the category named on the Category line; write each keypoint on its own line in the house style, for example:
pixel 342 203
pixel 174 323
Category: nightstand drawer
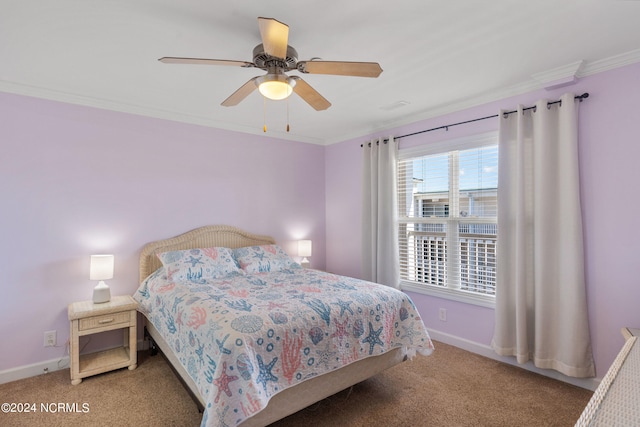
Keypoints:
pixel 104 320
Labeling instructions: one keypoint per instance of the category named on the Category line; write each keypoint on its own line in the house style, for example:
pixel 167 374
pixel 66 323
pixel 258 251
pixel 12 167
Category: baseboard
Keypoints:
pixel 48 366
pixel 22 372
pixel 487 351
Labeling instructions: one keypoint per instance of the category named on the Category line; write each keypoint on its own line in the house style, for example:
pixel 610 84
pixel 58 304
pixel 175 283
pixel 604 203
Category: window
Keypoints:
pixel 447 221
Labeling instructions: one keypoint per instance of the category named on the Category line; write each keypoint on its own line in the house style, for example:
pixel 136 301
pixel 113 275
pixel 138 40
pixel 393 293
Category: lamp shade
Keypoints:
pixel 304 248
pixel 101 267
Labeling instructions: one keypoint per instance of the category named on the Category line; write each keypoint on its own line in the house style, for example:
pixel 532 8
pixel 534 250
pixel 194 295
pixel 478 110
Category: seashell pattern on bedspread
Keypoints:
pixel 244 338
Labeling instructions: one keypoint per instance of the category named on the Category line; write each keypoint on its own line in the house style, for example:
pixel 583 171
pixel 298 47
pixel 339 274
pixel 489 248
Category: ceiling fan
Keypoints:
pixel 277 58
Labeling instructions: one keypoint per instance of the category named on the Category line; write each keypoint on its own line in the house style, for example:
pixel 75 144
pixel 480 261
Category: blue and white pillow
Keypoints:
pixel 199 265
pixel 263 259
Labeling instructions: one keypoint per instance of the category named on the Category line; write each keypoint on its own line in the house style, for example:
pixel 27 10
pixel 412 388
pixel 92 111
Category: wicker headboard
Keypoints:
pixel 203 237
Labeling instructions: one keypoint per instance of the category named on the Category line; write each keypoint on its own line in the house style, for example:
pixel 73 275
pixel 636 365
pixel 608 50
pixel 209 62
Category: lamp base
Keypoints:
pixel 101 293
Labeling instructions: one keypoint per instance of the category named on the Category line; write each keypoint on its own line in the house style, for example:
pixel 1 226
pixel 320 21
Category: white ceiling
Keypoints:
pixel 438 56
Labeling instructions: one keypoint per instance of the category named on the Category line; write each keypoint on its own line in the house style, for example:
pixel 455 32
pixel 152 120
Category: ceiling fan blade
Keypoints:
pixel 240 94
pixel 275 37
pixel 341 68
pixel 202 61
pixel 310 95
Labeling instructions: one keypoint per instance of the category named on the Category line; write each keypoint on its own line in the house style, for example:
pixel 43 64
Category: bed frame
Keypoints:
pixel 290 400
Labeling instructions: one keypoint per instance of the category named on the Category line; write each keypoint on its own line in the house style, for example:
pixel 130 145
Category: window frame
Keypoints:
pixel 442 147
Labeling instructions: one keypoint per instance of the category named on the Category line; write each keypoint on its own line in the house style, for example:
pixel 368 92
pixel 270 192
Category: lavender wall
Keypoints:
pixel 609 153
pixel 76 181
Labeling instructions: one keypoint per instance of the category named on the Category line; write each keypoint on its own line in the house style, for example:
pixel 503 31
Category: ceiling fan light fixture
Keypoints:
pixel 275 86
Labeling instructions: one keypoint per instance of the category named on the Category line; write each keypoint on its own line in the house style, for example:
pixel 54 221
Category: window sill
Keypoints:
pixel 488 301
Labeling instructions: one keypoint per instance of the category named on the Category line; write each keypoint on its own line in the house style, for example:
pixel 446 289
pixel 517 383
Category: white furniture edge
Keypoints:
pixel 626 396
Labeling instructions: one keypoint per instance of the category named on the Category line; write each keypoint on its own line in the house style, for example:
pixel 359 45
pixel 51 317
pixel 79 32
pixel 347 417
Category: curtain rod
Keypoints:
pixel 578 97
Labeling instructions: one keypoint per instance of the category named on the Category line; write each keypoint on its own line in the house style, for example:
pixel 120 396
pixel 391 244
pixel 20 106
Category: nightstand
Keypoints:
pixel 88 318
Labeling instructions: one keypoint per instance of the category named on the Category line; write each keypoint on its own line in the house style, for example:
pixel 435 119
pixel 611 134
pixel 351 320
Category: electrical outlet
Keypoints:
pixel 443 314
pixel 50 338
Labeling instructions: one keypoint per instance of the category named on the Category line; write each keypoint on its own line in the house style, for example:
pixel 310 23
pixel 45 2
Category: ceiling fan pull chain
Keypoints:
pixel 287 114
pixel 264 114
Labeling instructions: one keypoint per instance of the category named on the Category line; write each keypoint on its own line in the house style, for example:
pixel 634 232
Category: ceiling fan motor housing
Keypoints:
pixel 265 61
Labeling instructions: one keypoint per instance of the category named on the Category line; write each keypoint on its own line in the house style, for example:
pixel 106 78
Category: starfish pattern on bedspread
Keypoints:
pixel 222 382
pixel 265 372
pixel 344 306
pixel 373 338
pixel 341 330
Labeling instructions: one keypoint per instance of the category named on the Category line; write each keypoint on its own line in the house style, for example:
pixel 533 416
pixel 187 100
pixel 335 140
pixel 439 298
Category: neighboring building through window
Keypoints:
pixel 447 222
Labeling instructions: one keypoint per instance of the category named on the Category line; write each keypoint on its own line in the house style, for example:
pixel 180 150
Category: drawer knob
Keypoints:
pixel 103 321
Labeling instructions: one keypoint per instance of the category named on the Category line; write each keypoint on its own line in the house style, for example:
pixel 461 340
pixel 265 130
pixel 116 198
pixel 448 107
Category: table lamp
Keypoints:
pixel 304 250
pixel 101 269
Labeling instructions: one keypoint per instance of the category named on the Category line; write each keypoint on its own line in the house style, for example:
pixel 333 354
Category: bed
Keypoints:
pixel 254 336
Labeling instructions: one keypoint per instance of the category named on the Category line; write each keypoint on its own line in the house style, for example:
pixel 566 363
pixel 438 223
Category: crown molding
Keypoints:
pixel 617 61
pixel 147 111
pixel 558 76
pixel 542 80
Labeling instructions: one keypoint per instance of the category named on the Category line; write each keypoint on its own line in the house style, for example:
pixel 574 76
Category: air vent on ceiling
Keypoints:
pixel 395 105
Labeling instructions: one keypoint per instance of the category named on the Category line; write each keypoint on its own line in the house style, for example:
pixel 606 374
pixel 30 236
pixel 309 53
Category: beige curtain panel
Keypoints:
pixel 541 305
pixel 380 261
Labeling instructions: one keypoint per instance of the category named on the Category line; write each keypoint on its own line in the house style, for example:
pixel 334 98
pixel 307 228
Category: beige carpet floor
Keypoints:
pixel 452 387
